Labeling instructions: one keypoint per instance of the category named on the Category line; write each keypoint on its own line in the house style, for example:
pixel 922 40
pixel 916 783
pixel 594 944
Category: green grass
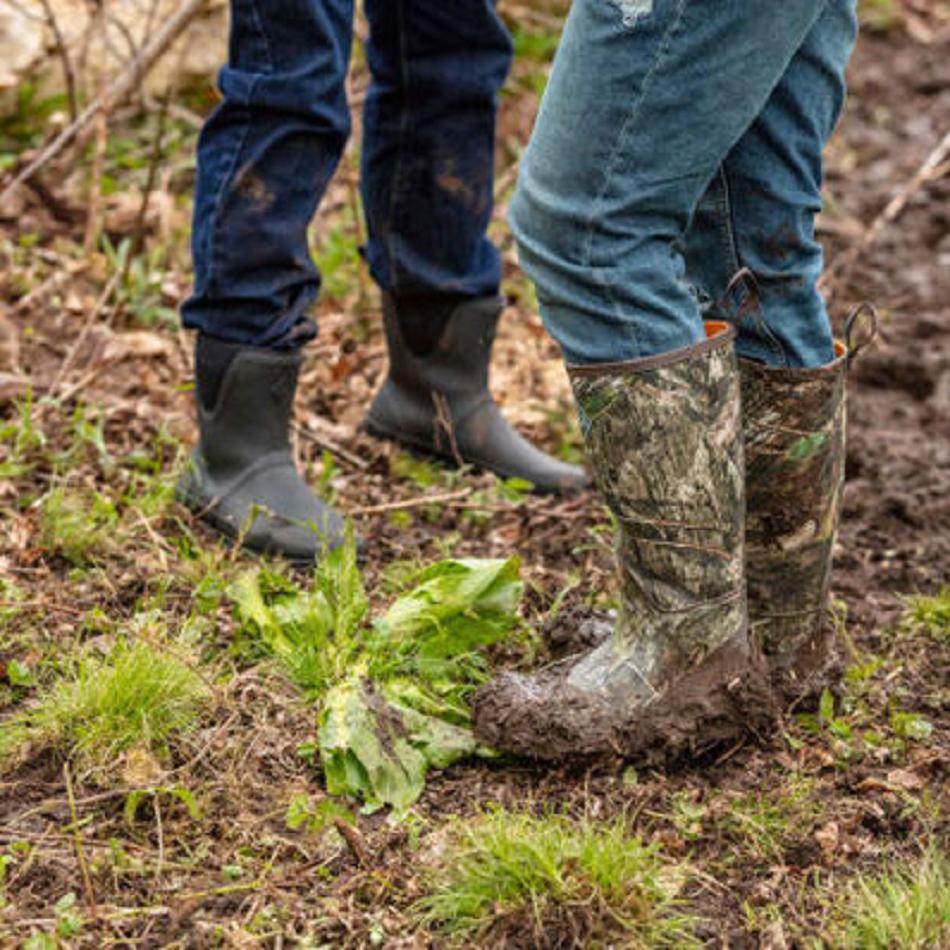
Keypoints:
pixel 931 615
pixel 137 696
pixel 763 824
pixel 507 870
pixel 77 527
pixel 880 15
pixel 906 906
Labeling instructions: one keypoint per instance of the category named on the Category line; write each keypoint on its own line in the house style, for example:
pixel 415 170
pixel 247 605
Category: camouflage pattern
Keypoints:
pixel 679 670
pixel 665 443
pixel 794 421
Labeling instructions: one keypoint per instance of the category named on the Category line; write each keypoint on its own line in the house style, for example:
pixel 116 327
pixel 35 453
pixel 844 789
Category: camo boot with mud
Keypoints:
pixel 794 424
pixel 680 671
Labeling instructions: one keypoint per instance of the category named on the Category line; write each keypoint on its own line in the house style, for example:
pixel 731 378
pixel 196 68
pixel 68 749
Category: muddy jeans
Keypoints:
pixel 268 152
pixel 678 142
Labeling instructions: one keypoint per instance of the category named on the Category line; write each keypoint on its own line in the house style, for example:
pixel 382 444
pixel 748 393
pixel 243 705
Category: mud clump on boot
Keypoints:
pixel 720 701
pixel 576 629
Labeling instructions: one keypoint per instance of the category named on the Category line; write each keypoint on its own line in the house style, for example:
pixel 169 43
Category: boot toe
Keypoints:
pixel 541 717
pixel 271 510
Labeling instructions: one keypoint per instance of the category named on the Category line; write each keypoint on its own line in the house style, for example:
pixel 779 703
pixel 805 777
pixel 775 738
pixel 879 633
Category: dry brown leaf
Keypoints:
pixel 137 344
pixel 140 767
pixel 828 837
pixel 906 779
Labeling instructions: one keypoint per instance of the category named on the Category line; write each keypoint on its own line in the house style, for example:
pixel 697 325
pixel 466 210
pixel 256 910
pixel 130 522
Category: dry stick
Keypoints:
pixel 334 448
pixel 138 234
pixel 95 185
pixel 125 84
pixel 412 503
pixel 50 285
pixel 159 864
pixel 930 169
pixel 77 837
pixel 84 332
pixel 62 51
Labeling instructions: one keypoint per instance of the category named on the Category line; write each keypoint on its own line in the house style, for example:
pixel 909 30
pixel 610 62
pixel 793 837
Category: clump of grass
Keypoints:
pixel 75 527
pixel 136 696
pixel 506 872
pixel 764 824
pixel 931 615
pixel 906 906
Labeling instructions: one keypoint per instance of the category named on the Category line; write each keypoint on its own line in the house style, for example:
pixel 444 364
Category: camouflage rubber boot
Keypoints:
pixel 794 422
pixel 680 670
pixel 438 402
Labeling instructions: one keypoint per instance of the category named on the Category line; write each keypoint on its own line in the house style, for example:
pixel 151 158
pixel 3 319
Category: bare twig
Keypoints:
pixel 333 447
pixel 123 86
pixel 77 837
pixel 51 285
pixel 95 185
pixel 94 314
pixel 62 51
pixel 412 502
pixel 930 170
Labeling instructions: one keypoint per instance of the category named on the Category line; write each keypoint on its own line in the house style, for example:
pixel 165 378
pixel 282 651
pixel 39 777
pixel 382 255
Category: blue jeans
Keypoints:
pixel 266 156
pixel 679 141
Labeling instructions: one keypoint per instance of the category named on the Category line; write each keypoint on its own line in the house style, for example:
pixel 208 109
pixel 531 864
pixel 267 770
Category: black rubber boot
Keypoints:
pixel 241 478
pixel 438 402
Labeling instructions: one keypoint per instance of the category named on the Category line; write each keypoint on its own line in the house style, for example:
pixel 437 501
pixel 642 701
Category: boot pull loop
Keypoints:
pixel 856 336
pixel 745 279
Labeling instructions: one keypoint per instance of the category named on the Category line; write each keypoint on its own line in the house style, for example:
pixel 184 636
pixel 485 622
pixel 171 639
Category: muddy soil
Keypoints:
pixel 895 536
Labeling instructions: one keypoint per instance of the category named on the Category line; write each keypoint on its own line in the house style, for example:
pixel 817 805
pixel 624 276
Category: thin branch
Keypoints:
pixel 95 184
pixel 412 503
pixel 124 85
pixel 332 447
pixel 930 170
pixel 77 837
pixel 62 51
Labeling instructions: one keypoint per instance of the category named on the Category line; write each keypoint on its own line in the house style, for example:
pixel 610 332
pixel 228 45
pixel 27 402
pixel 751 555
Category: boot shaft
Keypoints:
pixel 458 365
pixel 794 421
pixel 664 439
pixel 247 413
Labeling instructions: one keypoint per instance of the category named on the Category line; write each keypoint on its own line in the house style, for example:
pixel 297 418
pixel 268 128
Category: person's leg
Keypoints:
pixel 264 160
pixel 427 180
pixel 644 103
pixel 759 214
pixel 428 145
pixel 759 211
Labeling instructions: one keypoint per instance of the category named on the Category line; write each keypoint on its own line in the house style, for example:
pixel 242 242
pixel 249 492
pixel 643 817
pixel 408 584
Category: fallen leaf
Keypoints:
pixel 773 937
pixel 905 778
pixel 140 767
pixel 136 344
pixel 827 838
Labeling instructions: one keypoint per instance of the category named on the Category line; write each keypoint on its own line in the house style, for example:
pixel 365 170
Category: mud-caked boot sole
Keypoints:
pixel 722 700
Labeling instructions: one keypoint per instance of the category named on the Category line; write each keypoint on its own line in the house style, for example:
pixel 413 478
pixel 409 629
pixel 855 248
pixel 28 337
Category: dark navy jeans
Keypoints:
pixel 266 156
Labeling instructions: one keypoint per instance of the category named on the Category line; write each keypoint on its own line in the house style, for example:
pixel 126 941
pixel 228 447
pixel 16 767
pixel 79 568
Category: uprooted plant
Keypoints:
pixel 391 691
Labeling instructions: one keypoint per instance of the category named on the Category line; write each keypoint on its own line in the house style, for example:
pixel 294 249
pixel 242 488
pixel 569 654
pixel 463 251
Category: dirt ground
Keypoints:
pixel 356 890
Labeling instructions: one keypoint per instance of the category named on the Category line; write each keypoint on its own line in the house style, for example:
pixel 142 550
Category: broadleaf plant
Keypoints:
pixel 392 693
